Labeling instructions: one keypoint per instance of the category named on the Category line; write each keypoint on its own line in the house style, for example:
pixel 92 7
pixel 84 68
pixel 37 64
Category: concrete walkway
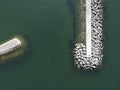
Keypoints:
pixel 88 28
pixel 10 45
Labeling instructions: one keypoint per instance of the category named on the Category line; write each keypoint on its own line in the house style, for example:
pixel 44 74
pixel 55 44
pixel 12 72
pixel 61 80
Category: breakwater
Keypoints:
pixel 89 54
pixel 12 48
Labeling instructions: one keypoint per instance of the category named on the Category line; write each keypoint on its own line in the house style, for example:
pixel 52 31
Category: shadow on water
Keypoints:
pixel 105 50
pixel 71 5
pixel 18 60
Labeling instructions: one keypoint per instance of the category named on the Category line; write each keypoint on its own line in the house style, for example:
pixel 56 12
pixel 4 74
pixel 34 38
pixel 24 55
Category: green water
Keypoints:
pixel 48 26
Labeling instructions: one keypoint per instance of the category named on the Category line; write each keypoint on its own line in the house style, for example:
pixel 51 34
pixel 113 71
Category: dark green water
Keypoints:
pixel 48 26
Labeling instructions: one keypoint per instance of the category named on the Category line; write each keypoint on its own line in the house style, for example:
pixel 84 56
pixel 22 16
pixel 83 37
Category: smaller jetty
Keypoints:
pixel 12 48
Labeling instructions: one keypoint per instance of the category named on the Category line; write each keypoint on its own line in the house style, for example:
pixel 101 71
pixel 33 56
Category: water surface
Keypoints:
pixel 48 26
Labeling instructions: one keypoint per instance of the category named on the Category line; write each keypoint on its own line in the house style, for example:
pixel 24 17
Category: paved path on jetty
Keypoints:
pixel 88 27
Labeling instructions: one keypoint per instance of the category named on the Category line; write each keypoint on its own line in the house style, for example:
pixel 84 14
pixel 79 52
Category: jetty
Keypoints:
pixel 88 55
pixel 10 46
pixel 11 49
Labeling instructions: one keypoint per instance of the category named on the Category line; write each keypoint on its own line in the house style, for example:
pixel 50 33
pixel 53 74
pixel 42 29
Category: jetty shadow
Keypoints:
pixel 71 6
pixel 105 34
